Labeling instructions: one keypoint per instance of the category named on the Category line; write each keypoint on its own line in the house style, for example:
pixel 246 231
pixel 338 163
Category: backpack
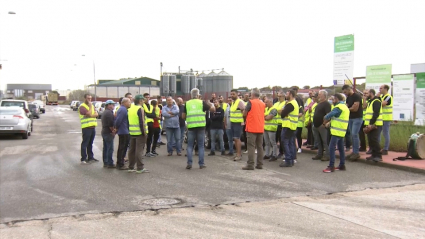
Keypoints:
pixel 412 147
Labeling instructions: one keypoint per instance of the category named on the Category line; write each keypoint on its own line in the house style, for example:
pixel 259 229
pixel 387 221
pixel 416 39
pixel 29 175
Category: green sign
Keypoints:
pixel 378 74
pixel 344 43
pixel 420 80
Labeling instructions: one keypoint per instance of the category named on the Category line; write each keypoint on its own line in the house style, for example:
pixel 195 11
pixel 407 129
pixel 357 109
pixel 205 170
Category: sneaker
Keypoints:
pixel 317 157
pixel 237 158
pixel 377 159
pixel 295 161
pixel 155 153
pixel 329 169
pixel 247 168
pixel 223 153
pixel 84 162
pixel 211 154
pixel 273 158
pixel 279 156
pixel 285 165
pixel 202 166
pixel 131 170
pixel 266 157
pixel 340 167
pixel 161 143
pixel 122 168
pixel 188 166
pixel 245 152
pixel 299 150
pixel 384 152
pixel 112 166
pixel 143 171
pixel 93 160
pixel 179 154
pixel 324 158
pixel 149 155
pixel 354 157
pixel 369 158
pixel 259 167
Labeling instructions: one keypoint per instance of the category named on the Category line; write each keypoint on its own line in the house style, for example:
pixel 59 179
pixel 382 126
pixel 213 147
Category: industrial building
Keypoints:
pixel 29 91
pixel 180 84
pixel 114 89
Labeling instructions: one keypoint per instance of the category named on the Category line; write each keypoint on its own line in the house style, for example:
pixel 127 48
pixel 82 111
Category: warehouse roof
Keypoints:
pixel 29 87
pixel 122 81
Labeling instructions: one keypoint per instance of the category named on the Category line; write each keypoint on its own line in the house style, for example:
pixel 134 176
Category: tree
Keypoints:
pixel 306 87
pixel 78 95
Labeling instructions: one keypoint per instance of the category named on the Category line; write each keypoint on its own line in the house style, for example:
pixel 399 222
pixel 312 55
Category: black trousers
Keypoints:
pixel 149 140
pixel 123 142
pixel 299 139
pixel 156 132
pixel 374 143
pixel 362 137
pixel 245 138
pixel 278 138
pixel 310 138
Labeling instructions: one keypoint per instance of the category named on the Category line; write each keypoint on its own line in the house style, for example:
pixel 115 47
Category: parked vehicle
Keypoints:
pixel 35 111
pixel 14 120
pixel 99 107
pixel 40 105
pixel 18 103
pixel 77 105
pixel 52 98
pixel 73 105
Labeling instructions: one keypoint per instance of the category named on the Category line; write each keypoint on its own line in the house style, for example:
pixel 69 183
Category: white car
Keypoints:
pixel 73 104
pixel 14 120
pixel 40 105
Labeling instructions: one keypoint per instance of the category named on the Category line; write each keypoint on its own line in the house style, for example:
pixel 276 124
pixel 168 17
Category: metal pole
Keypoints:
pixel 94 79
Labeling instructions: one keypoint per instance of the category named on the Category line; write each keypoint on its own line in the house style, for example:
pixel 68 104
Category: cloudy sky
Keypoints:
pixel 260 43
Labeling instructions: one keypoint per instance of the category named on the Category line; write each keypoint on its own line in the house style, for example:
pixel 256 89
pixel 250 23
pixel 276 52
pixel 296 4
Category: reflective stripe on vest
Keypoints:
pixel 300 119
pixel 369 114
pixel 195 117
pixel 339 125
pixel 149 111
pixel 87 122
pixel 236 116
pixel 387 110
pixel 278 106
pixel 134 122
pixel 270 125
pixel 291 121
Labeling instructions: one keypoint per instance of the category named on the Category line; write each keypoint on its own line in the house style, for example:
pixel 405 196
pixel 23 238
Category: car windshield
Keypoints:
pixel 10 112
pixel 12 103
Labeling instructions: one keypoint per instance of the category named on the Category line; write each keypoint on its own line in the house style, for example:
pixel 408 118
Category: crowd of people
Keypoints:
pixel 271 127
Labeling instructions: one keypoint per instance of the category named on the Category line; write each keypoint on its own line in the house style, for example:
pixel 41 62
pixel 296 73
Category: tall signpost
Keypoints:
pixel 343 60
pixel 420 99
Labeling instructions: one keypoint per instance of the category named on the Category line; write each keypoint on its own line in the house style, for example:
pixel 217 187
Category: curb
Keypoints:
pixel 380 164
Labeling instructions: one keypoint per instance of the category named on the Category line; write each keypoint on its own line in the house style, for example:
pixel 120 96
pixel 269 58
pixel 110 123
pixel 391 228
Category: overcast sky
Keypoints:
pixel 260 43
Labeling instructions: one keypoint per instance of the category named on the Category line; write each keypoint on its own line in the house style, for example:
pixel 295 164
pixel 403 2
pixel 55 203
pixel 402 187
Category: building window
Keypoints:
pixel 153 83
pixel 137 82
pixel 30 91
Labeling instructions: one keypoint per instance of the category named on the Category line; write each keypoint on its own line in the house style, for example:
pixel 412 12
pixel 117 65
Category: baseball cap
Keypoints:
pixel 108 102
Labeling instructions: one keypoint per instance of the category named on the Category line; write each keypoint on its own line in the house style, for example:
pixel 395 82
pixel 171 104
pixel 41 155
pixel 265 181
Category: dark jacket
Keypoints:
pixel 217 119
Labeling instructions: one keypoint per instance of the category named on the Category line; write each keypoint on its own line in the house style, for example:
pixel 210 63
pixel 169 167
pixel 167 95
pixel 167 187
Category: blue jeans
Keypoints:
pixel 214 133
pixel 229 133
pixel 87 144
pixel 173 137
pixel 335 140
pixel 288 139
pixel 108 149
pixel 160 131
pixel 199 135
pixel 354 126
pixel 386 132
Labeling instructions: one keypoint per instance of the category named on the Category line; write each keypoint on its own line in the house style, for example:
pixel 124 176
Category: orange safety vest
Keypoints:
pixel 255 117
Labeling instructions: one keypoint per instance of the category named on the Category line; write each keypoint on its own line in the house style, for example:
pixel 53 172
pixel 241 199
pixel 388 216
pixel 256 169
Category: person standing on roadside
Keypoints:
pixel 339 118
pixel 228 126
pixel 129 96
pixel 194 114
pixel 319 130
pixel 150 115
pixel 121 125
pixel 270 127
pixel 354 104
pixel 289 114
pixel 279 105
pixel 170 112
pixel 254 113
pixel 156 126
pixel 307 123
pixel 159 142
pixel 387 116
pixel 236 119
pixel 182 122
pixel 88 122
pixel 216 128
pixel 138 132
pixel 373 123
pixel 362 135
pixel 108 134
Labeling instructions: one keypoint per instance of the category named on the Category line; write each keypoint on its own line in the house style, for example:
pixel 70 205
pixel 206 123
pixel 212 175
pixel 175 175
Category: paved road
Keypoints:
pixel 42 177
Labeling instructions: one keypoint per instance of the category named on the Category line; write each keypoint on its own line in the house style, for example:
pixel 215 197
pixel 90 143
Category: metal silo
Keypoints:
pixel 223 81
pixel 165 83
pixel 210 86
pixel 185 88
pixel 192 81
pixel 201 86
pixel 173 84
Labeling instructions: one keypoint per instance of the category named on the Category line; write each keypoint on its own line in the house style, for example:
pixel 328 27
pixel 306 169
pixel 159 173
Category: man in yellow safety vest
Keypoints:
pixel 88 116
pixel 387 116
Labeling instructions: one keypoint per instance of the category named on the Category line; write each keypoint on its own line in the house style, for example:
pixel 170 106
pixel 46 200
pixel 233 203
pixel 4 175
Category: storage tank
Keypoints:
pixel 185 84
pixel 165 83
pixel 223 82
pixel 209 82
pixel 201 84
pixel 192 81
pixel 173 84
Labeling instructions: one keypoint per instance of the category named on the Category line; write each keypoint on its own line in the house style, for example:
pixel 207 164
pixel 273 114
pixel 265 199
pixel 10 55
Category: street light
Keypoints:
pixel 94 79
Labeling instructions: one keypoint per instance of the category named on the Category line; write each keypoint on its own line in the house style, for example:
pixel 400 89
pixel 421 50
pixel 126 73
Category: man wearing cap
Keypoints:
pixel 108 134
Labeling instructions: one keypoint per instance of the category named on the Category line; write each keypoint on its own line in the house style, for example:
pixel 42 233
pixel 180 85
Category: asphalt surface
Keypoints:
pixel 42 177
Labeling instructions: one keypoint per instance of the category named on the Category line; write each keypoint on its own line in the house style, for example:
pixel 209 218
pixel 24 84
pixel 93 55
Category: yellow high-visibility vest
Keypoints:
pixel 87 122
